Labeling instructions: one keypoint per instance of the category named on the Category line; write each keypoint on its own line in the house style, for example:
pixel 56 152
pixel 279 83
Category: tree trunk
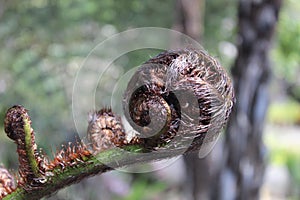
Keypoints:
pixel 243 166
pixel 188 18
pixel 237 172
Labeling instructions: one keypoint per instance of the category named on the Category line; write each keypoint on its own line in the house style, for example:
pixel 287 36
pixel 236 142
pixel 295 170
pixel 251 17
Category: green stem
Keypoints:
pixel 38 185
pixel 102 162
pixel 29 148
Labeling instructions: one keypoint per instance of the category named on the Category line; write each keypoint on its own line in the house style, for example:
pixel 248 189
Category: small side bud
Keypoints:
pixel 105 130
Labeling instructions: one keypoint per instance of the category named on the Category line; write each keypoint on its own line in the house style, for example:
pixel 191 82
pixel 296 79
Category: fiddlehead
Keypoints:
pixel 32 164
pixel 177 99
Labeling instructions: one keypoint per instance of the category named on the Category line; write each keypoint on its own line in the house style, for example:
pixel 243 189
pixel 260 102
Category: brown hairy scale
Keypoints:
pixel 176 99
pixel 69 156
pixel 14 127
pixel 105 130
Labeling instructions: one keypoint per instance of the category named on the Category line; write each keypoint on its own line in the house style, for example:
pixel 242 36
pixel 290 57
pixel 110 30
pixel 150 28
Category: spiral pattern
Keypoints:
pixel 105 130
pixel 178 99
pixel 188 85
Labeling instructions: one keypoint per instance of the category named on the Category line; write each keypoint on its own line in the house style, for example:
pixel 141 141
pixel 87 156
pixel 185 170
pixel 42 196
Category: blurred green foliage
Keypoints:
pixel 281 155
pixel 286 64
pixel 142 189
pixel 286 54
pixel 284 113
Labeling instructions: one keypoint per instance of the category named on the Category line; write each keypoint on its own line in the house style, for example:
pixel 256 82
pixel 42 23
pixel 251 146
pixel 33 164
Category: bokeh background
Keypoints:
pixel 44 42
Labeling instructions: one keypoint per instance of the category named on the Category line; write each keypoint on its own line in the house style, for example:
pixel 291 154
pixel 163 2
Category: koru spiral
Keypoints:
pixel 178 99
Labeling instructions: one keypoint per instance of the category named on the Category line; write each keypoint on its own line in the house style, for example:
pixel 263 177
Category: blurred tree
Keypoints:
pixel 285 53
pixel 243 160
pixel 189 18
pixel 241 168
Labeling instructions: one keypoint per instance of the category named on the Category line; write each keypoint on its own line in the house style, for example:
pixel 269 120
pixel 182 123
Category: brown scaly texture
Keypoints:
pixel 197 90
pixel 178 99
pixel 70 155
pixel 105 130
pixel 14 128
pixel 7 183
